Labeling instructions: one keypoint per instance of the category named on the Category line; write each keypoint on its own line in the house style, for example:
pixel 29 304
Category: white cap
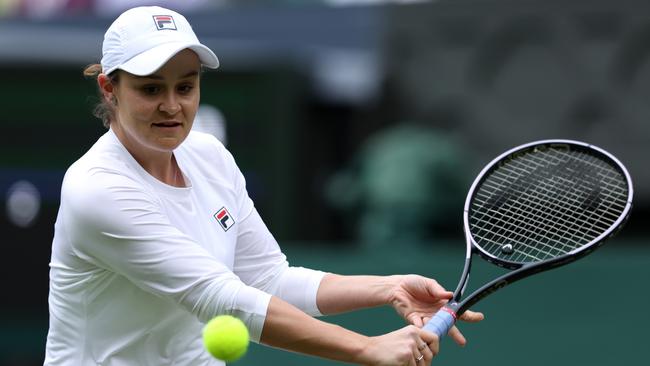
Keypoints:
pixel 143 39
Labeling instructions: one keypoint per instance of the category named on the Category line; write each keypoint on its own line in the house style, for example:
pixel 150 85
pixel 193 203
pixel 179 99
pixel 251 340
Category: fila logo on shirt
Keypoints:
pixel 164 22
pixel 224 218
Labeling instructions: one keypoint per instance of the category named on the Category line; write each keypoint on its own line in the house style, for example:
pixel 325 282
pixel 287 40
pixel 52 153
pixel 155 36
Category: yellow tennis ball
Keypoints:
pixel 226 338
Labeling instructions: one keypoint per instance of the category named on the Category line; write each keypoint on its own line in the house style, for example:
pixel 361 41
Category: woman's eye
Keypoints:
pixel 150 90
pixel 185 89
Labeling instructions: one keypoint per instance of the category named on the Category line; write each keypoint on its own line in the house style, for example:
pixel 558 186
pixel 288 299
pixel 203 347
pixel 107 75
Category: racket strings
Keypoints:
pixel 526 209
pixel 545 220
pixel 555 227
pixel 561 237
pixel 527 233
pixel 546 203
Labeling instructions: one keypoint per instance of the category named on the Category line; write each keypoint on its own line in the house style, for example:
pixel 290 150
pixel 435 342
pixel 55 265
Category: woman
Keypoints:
pixel 156 233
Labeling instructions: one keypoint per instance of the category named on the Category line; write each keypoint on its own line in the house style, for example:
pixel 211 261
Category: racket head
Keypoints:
pixel 546 201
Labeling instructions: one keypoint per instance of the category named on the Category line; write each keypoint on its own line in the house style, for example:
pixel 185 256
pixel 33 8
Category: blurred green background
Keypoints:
pixel 359 126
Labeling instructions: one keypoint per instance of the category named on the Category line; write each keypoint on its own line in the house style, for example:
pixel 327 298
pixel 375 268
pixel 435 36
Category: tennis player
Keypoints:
pixel 156 233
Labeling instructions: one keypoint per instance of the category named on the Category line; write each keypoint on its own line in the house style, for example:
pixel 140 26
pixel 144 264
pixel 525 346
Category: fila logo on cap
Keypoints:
pixel 224 219
pixel 164 22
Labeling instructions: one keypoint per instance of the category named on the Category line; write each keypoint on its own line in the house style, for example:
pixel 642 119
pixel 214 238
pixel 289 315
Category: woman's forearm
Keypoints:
pixel 288 328
pixel 339 294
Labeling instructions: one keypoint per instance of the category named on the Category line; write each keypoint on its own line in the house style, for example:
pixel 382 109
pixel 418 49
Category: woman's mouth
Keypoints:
pixel 167 124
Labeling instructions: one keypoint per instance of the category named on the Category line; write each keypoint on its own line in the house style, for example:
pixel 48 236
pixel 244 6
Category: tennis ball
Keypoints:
pixel 226 338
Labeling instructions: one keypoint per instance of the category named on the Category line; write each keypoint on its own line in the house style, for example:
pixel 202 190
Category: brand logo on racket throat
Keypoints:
pixel 164 22
pixel 224 218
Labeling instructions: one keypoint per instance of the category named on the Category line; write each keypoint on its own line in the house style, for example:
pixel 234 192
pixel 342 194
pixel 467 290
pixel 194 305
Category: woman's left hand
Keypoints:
pixel 418 298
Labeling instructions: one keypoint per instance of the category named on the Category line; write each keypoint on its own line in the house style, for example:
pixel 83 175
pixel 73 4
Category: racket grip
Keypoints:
pixel 441 322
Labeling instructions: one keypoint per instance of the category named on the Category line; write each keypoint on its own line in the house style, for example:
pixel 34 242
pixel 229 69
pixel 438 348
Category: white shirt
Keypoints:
pixel 139 266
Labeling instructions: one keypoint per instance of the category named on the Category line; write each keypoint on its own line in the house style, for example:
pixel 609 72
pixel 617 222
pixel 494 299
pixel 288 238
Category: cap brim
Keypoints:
pixel 151 60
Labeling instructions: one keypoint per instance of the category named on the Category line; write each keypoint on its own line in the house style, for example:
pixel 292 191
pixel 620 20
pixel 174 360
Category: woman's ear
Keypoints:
pixel 106 87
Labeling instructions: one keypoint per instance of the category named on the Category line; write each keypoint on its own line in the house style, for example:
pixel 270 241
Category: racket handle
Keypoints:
pixel 441 322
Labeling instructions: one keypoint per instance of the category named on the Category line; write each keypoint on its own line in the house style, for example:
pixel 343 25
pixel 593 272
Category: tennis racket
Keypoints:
pixel 536 207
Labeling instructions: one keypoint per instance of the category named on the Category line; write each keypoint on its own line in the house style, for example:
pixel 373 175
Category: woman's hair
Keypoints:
pixel 104 109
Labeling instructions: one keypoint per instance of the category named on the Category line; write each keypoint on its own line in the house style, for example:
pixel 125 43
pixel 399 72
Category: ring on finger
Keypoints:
pixel 420 358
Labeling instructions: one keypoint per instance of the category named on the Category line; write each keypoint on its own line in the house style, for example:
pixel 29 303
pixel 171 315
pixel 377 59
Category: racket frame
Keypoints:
pixel 522 270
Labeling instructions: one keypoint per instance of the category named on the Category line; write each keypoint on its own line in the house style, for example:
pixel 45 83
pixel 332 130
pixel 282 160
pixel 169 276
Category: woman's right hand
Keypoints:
pixel 400 348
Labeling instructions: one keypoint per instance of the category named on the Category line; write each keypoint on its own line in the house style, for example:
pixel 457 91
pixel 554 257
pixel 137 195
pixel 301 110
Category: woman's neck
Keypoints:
pixel 162 165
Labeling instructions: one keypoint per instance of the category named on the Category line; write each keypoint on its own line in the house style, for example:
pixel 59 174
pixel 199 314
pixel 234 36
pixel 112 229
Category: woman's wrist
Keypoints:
pixel 393 284
pixel 362 353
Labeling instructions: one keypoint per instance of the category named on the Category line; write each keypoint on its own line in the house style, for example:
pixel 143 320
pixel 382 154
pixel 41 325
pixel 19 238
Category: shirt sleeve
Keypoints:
pixel 260 263
pixel 114 223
